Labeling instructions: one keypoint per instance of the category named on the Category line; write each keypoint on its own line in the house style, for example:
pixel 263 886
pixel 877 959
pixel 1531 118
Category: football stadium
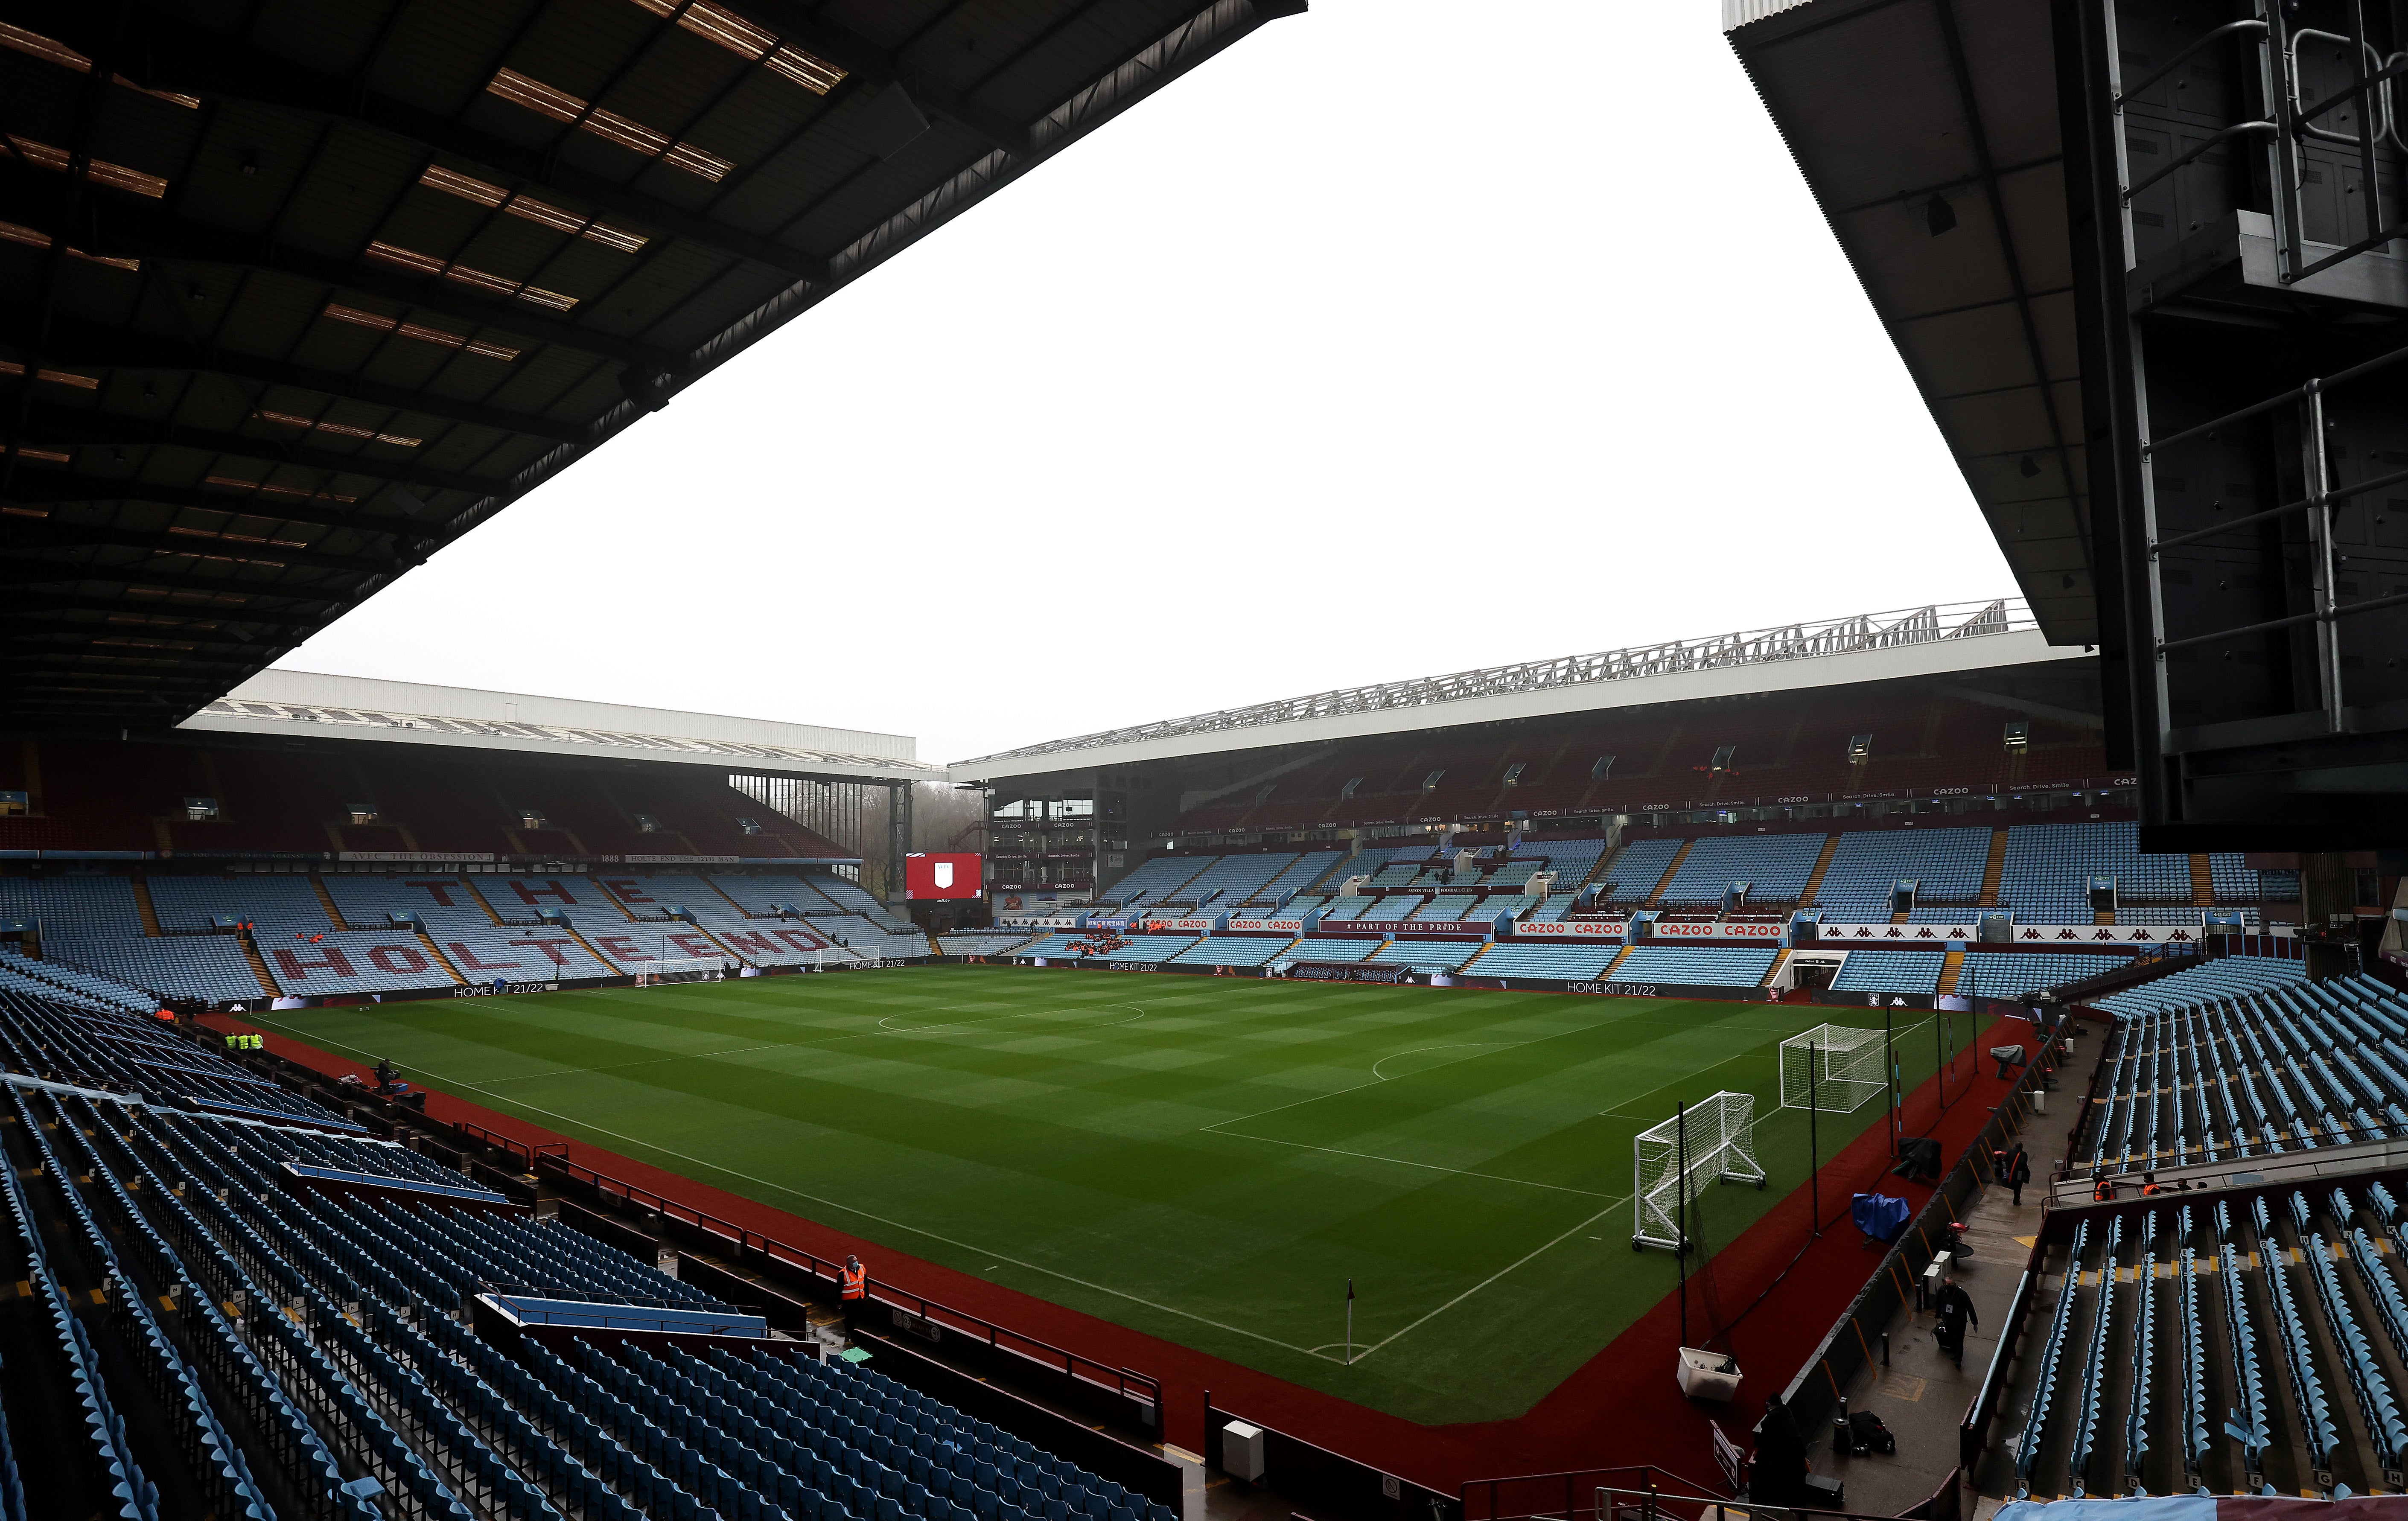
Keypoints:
pixel 1920 1063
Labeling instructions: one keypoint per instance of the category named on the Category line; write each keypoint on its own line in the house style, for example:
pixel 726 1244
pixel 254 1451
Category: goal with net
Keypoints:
pixel 680 970
pixel 1718 1140
pixel 1832 1068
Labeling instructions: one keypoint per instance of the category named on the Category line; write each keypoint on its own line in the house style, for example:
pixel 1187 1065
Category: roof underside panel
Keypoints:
pixel 293 294
pixel 1976 289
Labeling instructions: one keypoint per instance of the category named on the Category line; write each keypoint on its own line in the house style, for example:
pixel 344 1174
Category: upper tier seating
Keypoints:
pixel 1301 874
pixel 2224 977
pixel 1872 970
pixel 2010 974
pixel 1702 966
pixel 1633 875
pixel 1155 879
pixel 1231 880
pixel 1946 864
pixel 2048 867
pixel 1775 867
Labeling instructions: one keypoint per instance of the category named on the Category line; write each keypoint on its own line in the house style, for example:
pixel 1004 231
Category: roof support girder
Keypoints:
pixel 127 229
pixel 29 536
pixel 71 345
pixel 16 571
pixel 62 428
pixel 164 52
pixel 70 488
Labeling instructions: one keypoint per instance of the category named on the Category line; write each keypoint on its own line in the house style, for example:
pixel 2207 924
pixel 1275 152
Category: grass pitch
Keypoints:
pixel 1205 1160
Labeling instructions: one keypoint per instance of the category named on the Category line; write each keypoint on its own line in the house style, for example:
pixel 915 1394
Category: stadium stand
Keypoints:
pixel 1152 880
pixel 1336 949
pixel 1235 949
pixel 2224 977
pixel 2010 974
pixel 1229 881
pixel 1300 873
pixel 958 942
pixel 1875 970
pixel 305 951
pixel 718 926
pixel 1945 863
pixel 2048 868
pixel 326 1340
pixel 58 981
pixel 1633 875
pixel 1699 966
pixel 1571 963
pixel 79 1043
pixel 1426 955
pixel 457 922
pixel 2293 1291
pixel 1774 866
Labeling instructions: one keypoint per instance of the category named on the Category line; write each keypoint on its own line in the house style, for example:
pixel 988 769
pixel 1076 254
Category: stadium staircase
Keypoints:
pixel 146 907
pixel 1619 958
pixel 1671 871
pixel 259 966
pixel 1781 959
pixel 1948 970
pixel 326 901
pixel 2202 884
pixel 1822 863
pixel 1992 873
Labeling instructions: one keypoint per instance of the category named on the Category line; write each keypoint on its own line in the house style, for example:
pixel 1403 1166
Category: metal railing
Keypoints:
pixel 1932 623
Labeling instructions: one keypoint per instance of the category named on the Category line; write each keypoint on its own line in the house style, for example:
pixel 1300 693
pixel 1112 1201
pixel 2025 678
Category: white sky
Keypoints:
pixel 1400 339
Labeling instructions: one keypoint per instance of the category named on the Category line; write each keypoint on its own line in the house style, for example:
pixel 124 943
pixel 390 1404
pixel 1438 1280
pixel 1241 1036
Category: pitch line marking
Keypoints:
pixel 646 1061
pixel 1492 1278
pixel 1399 1161
pixel 815 1199
pixel 890 1028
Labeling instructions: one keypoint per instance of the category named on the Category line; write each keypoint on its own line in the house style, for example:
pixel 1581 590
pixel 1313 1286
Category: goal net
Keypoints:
pixel 1718 1137
pixel 680 970
pixel 1833 1068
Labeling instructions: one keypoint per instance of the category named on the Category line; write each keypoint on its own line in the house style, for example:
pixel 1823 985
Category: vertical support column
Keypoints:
pixel 898 843
pixel 2327 887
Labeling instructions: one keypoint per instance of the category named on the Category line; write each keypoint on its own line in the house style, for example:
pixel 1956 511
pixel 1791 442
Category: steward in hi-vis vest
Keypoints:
pixel 854 1280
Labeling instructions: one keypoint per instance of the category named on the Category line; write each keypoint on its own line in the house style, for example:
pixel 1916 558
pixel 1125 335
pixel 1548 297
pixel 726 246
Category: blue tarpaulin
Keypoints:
pixel 1879 1216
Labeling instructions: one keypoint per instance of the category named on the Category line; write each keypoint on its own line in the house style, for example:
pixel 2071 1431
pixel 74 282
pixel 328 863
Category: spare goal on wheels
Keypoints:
pixel 1717 1137
pixel 1835 1068
pixel 679 969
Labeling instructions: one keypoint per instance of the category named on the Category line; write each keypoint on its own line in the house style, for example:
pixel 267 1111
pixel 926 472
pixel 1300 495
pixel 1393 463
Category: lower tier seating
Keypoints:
pixel 1890 971
pixel 1701 966
pixel 2010 974
pixel 266 1345
pixel 1580 962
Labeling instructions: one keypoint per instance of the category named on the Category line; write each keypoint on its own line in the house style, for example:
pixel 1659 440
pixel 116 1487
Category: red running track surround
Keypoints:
pixel 1600 1415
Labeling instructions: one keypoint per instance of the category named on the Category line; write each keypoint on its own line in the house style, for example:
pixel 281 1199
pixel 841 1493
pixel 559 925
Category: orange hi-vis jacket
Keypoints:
pixel 856 1283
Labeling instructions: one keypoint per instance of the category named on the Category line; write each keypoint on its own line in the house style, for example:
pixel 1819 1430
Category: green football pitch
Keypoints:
pixel 1206 1159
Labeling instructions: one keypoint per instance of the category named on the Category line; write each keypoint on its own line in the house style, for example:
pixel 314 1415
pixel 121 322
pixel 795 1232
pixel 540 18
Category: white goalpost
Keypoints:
pixel 680 970
pixel 1834 1068
pixel 1717 1137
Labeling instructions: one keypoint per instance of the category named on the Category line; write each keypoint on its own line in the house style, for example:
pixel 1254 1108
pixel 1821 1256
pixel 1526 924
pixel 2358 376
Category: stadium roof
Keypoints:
pixel 1944 184
pixel 1869 647
pixel 293 295
pixel 292 704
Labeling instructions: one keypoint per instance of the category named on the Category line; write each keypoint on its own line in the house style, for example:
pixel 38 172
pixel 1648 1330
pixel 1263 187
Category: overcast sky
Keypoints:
pixel 1397 340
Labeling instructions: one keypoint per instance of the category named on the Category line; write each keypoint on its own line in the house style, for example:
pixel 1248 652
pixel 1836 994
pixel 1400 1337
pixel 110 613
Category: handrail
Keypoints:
pixel 1573 1483
pixel 1127 1383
